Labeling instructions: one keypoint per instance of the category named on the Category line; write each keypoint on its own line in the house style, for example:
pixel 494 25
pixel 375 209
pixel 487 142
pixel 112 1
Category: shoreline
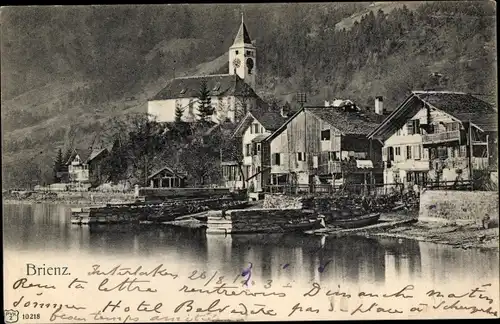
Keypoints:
pixel 406 226
pixel 458 236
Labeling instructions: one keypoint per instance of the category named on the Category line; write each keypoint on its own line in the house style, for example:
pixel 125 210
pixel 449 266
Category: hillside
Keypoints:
pixel 62 80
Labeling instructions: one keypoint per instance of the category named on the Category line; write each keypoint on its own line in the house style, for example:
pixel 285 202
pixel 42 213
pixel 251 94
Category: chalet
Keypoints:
pixel 325 145
pixel 85 166
pixel 252 132
pixel 436 136
pixel 167 178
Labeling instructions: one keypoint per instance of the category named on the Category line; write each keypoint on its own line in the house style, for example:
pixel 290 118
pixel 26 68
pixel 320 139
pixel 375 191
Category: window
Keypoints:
pixel 409 176
pixel 442 152
pixel 276 159
pixel 247 149
pixel 258 147
pixel 332 156
pixel 413 126
pixel 249 53
pixel 451 152
pixel 262 129
pixel 237 52
pixel 463 151
pixel 256 128
pixel 397 150
pixel 301 156
pixel 408 152
pixel 417 152
pixel 325 135
pixel 398 133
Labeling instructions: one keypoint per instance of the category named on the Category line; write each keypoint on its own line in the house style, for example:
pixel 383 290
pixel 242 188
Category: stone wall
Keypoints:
pixel 255 220
pixel 71 197
pixel 161 193
pixel 163 212
pixel 282 201
pixel 461 206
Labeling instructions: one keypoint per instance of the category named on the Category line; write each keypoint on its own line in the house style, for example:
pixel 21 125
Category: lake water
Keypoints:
pixel 40 229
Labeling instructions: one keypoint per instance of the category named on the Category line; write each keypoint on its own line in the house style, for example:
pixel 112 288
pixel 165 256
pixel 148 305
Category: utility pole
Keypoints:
pixel 470 154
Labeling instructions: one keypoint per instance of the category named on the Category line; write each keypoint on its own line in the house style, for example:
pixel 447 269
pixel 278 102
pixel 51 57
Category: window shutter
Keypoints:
pixel 417 126
pixel 336 142
pixel 417 152
pixel 273 159
pixel 384 154
pixel 409 127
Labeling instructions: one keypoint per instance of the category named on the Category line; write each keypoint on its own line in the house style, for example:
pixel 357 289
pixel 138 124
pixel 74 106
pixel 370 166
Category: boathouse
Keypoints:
pixel 167 178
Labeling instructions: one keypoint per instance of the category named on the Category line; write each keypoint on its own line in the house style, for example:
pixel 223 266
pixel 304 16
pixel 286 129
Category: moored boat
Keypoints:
pixel 305 225
pixel 357 221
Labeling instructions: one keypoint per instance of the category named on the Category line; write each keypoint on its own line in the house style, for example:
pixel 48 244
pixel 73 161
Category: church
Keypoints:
pixel 232 94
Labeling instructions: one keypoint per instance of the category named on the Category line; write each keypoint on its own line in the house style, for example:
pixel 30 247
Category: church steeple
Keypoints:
pixel 243 57
pixel 242 37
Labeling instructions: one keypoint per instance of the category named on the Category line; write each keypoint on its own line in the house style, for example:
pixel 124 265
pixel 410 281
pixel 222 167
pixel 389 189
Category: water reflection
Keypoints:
pixel 380 261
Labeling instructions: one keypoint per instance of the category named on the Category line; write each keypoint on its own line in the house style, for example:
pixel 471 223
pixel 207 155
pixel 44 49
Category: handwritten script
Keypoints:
pixel 124 293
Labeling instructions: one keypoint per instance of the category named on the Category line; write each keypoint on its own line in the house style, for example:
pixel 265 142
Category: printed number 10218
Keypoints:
pixel 31 316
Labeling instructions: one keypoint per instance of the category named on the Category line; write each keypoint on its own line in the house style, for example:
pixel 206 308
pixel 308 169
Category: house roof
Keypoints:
pixel 86 155
pixel 155 173
pixel 96 153
pixel 218 84
pixel 82 153
pixel 260 138
pixel 462 106
pixel 348 122
pixel 269 119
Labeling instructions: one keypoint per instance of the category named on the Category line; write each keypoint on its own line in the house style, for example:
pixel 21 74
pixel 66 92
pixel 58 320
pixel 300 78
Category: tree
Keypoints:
pixel 145 141
pixel 205 109
pixel 179 111
pixel 58 163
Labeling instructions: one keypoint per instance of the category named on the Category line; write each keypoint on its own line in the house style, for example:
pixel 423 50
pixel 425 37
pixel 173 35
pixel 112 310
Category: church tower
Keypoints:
pixel 242 56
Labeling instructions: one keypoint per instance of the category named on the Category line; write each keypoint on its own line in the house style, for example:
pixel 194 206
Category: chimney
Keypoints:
pixel 379 105
pixel 285 109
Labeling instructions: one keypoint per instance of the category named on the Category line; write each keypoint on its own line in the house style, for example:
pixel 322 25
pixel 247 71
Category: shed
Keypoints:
pixel 167 178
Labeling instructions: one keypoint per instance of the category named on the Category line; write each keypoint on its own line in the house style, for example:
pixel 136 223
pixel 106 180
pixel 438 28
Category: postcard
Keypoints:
pixel 250 162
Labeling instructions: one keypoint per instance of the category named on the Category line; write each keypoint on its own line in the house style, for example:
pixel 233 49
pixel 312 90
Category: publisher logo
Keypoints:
pixel 11 315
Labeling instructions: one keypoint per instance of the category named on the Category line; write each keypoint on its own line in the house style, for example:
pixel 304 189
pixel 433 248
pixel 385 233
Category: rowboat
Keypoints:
pixel 358 221
pixel 303 225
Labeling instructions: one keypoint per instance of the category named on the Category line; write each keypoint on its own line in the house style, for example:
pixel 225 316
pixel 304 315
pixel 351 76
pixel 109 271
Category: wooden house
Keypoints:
pixel 437 136
pixel 252 132
pixel 167 178
pixel 325 145
pixel 85 166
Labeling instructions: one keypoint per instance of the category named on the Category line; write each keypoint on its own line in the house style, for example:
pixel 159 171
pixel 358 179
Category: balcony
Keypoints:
pixel 441 137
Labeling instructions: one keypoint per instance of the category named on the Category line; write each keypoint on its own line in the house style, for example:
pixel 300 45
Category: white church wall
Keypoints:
pixel 164 110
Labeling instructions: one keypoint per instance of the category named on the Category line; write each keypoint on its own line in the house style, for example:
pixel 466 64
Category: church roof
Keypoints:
pixel 242 37
pixel 219 85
